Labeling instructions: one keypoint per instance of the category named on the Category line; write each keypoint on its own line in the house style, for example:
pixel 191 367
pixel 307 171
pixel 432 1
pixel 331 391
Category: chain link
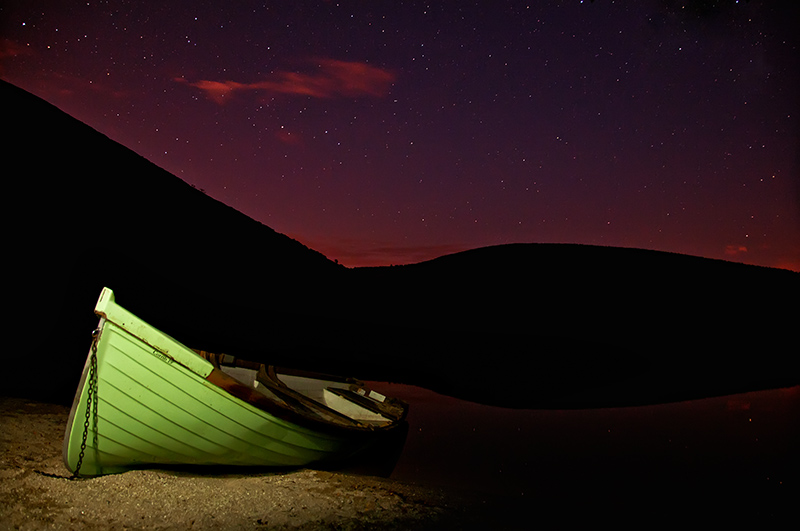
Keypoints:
pixel 91 397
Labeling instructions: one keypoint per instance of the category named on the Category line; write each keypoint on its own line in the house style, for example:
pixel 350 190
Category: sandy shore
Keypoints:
pixel 725 461
pixel 35 493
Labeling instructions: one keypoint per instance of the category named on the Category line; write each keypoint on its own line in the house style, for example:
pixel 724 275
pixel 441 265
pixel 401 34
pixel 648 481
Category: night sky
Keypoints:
pixel 381 132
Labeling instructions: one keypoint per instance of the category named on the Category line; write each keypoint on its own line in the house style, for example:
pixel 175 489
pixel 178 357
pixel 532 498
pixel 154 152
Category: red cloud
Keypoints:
pixel 217 90
pixel 288 137
pixel 9 48
pixel 355 79
pixel 733 250
pixel 332 79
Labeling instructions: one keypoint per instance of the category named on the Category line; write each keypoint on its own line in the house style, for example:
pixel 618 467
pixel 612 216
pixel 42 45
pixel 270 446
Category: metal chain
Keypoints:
pixel 91 395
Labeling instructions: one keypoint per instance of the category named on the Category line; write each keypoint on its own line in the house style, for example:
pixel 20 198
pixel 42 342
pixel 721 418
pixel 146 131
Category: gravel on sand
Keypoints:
pixel 36 494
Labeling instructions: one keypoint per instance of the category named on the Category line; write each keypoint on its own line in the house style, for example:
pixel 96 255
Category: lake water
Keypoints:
pixel 738 449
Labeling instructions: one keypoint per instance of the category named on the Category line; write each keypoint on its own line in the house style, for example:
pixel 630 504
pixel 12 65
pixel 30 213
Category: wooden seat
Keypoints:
pixel 301 403
pixel 385 409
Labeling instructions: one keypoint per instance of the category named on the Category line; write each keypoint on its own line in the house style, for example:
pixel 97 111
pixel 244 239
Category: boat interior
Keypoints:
pixel 344 402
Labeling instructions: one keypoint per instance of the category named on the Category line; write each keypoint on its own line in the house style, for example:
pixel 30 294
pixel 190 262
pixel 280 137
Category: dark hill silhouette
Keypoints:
pixel 520 325
pixel 578 324
pixel 84 212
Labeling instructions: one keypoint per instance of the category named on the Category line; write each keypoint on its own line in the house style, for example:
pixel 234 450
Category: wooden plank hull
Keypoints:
pixel 153 404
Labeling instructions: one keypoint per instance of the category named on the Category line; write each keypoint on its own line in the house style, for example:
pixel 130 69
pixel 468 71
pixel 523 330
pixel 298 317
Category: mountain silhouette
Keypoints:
pixel 85 212
pixel 523 325
pixel 563 325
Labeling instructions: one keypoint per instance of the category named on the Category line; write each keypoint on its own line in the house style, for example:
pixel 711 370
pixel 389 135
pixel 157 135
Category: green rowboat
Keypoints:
pixel 145 399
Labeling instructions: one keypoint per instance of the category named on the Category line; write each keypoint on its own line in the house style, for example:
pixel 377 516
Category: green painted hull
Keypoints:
pixel 155 406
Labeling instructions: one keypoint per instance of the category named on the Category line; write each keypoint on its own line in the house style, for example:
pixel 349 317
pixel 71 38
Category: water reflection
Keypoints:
pixel 730 448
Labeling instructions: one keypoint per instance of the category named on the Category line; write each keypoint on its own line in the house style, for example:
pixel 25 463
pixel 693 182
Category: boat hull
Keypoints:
pixel 152 405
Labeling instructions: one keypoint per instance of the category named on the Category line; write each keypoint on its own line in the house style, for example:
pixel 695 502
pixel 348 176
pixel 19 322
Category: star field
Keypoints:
pixel 382 132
